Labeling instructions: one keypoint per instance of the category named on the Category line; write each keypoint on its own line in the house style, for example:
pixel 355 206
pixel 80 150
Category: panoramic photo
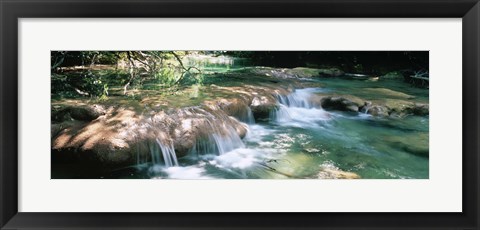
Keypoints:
pixel 239 114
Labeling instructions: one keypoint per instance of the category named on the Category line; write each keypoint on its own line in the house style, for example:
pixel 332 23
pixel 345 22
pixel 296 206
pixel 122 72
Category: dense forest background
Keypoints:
pixel 363 61
pixel 172 68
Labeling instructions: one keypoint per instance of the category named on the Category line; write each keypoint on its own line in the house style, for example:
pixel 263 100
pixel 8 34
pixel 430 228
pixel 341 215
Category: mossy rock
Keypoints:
pixel 420 109
pixel 375 110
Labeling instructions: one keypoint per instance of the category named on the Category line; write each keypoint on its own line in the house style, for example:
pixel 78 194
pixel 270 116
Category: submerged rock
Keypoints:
pixel 376 110
pixel 329 171
pixel 415 143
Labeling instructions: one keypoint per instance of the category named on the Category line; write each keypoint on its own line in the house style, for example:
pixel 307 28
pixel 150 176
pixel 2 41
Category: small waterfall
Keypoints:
pixel 168 152
pixel 214 131
pixel 220 138
pixel 229 142
pixel 299 98
pixel 161 154
pixel 298 107
pixel 249 118
pixel 218 142
pixel 245 115
pixel 281 114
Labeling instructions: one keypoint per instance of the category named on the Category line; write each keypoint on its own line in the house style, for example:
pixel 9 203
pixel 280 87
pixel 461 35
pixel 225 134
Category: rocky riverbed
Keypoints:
pixel 175 131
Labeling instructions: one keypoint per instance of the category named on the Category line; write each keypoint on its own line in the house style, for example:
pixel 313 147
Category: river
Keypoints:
pixel 301 140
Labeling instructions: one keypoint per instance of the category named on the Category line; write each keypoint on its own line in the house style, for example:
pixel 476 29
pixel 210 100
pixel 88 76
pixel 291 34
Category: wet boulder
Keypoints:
pixel 185 135
pixel 197 126
pixel 420 109
pixel 339 103
pixel 396 107
pixel 239 127
pixel 377 110
pixel 237 108
pixel 401 108
pixel 262 106
pixel 127 137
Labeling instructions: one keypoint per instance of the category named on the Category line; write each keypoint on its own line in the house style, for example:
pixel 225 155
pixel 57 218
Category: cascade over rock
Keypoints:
pixel 234 127
pixel 123 137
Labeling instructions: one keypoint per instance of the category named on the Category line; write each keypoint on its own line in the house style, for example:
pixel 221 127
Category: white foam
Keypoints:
pixel 240 158
pixel 296 109
pixel 189 172
pixel 300 117
pixel 257 132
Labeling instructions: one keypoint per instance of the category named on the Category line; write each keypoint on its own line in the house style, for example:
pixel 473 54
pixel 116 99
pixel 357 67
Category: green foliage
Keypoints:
pixel 166 76
pixel 104 95
pixel 95 85
pixel 200 79
pixel 97 73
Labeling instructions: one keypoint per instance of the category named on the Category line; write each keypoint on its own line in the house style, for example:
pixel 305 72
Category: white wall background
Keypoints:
pixel 442 192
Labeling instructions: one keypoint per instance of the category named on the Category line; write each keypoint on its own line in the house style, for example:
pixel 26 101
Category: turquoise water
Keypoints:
pixel 303 141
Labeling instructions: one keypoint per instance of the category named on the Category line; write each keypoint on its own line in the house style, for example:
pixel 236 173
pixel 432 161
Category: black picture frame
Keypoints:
pixel 12 10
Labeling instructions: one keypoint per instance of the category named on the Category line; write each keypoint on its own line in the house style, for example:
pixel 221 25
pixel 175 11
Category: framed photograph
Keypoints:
pixel 239 115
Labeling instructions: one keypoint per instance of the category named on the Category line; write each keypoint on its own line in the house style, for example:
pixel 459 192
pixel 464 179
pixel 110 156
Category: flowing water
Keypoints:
pixel 301 140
